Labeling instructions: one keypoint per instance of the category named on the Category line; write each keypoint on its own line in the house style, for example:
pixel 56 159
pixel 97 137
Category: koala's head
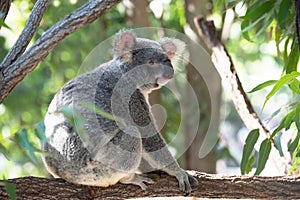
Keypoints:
pixel 154 59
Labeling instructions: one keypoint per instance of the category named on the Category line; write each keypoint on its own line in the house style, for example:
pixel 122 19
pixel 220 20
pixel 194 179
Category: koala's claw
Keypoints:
pixel 193 181
pixel 137 179
pixel 185 181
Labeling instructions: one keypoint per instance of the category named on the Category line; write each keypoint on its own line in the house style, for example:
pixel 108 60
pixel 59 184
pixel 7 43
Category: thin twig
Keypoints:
pixel 29 30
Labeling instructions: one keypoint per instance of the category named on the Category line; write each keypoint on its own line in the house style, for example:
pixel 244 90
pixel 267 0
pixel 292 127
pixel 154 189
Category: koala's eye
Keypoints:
pixel 151 62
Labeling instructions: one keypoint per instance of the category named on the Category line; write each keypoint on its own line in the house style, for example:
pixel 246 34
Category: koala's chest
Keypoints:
pixel 134 109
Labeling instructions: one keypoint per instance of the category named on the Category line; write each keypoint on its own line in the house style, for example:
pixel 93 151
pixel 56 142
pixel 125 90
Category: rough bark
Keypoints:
pixel 226 69
pixel 14 73
pixel 211 186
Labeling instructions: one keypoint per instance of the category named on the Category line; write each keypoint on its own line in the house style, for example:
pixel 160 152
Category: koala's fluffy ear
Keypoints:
pixel 173 47
pixel 124 44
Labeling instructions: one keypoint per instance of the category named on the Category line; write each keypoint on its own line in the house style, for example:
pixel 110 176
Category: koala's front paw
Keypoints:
pixel 185 181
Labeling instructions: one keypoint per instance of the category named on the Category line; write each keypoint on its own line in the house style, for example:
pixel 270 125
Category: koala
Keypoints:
pixel 118 147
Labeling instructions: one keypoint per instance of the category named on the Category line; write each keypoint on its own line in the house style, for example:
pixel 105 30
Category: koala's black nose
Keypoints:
pixel 168 72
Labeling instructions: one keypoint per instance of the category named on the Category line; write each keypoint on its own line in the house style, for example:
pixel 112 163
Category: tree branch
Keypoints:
pixel 211 186
pixel 30 28
pixel 11 75
pixel 225 67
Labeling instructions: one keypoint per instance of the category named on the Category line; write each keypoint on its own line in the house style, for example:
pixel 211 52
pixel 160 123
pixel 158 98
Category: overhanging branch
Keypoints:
pixel 11 75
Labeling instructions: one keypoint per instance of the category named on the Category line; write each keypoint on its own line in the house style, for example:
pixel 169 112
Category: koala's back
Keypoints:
pixel 94 87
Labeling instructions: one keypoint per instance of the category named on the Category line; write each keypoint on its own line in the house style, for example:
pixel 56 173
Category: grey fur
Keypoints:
pixel 117 147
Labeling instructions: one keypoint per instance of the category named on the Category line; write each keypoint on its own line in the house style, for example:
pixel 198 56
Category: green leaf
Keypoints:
pixel 285 122
pixel 283 12
pixel 250 164
pixel 293 58
pixel 285 51
pixel 99 111
pixel 298 153
pixel 288 31
pixel 278 144
pixel 77 121
pixel 68 112
pixel 263 85
pixel 280 83
pixel 247 25
pixel 297 116
pixel 293 145
pixel 2 23
pixel 278 33
pixel 39 131
pixel 265 26
pixel 257 10
pixel 295 86
pixel 248 149
pixel 4 151
pixel 263 155
pixel 289 119
pixel 22 140
pixel 11 190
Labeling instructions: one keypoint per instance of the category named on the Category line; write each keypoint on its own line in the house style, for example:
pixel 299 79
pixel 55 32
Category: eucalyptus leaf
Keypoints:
pixel 76 120
pixel 280 83
pixel 248 149
pixel 259 9
pixel 263 85
pixel 289 119
pixel 4 151
pixel 266 24
pixel 293 145
pixel 22 140
pixel 295 86
pixel 11 190
pixel 279 127
pixel 247 25
pixel 298 153
pixel 293 58
pixel 250 164
pixel 39 131
pixel 288 30
pixel 283 12
pixel 263 155
pixel 278 144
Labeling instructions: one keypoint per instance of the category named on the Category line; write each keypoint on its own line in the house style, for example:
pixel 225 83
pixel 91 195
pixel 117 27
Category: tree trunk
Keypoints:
pixel 211 186
pixel 191 158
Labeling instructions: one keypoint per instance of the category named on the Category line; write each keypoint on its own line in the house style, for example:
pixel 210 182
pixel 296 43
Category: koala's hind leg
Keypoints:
pixel 98 174
pixel 137 179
